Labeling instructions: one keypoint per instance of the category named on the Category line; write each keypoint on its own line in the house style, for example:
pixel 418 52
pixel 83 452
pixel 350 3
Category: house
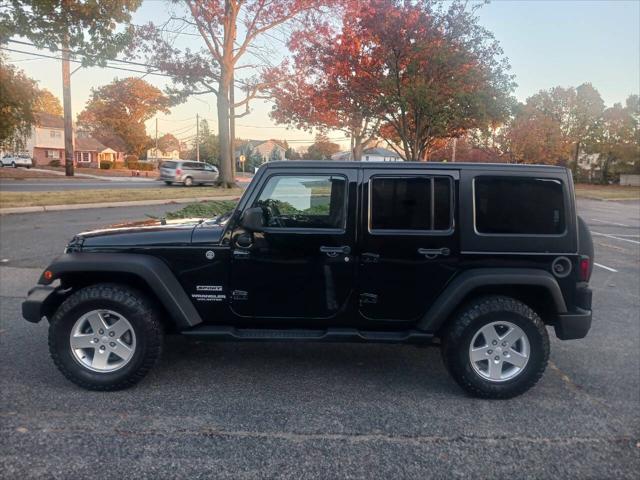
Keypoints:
pixel 45 142
pixel 89 152
pixel 261 150
pixel 159 155
pixel 115 144
pixel 374 154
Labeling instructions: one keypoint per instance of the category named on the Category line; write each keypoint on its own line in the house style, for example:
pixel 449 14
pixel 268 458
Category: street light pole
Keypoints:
pixel 197 137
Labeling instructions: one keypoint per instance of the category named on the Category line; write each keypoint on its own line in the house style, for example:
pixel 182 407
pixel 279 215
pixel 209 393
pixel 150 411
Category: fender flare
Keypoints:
pixel 455 292
pixel 153 271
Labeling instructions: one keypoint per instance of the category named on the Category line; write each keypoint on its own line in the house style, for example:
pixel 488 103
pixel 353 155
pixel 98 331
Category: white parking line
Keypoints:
pixel 616 238
pixel 605 267
pixel 610 223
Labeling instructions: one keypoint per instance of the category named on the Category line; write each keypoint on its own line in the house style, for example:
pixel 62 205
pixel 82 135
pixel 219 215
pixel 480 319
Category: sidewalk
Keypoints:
pixel 82 206
pixel 98 177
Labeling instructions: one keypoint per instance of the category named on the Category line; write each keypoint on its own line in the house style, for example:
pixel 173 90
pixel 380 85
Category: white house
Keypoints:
pixel 374 154
pixel 160 155
pixel 45 143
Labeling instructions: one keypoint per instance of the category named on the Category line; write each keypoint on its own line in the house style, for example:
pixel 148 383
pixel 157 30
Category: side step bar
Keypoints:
pixel 225 333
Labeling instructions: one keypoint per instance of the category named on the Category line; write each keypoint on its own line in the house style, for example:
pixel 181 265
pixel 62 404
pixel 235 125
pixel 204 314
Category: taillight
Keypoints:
pixel 178 171
pixel 585 268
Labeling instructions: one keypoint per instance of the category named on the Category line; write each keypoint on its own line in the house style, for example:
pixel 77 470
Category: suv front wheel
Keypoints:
pixel 105 337
pixel 496 347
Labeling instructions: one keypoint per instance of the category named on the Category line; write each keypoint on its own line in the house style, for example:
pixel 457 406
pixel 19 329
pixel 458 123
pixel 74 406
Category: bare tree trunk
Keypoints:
pixel 574 167
pixel 66 100
pixel 232 126
pixel 358 147
pixel 226 163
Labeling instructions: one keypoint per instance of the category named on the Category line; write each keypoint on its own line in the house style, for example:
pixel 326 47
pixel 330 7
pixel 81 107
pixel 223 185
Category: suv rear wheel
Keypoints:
pixel 496 347
pixel 105 337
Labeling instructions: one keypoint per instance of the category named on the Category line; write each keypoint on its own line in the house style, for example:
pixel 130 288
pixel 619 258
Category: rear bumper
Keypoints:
pixel 570 326
pixel 33 307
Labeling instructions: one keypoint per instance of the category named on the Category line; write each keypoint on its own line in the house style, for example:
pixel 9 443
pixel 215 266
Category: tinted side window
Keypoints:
pixel 294 201
pixel 171 165
pixel 517 205
pixel 193 165
pixel 410 203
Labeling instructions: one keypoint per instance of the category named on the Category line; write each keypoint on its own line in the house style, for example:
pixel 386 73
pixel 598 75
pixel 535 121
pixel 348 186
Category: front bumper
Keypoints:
pixel 570 326
pixel 34 307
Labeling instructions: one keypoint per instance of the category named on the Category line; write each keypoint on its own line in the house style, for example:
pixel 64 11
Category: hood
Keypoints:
pixel 150 233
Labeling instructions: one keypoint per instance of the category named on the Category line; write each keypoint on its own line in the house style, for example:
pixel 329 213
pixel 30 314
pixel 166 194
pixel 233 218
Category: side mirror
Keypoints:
pixel 253 219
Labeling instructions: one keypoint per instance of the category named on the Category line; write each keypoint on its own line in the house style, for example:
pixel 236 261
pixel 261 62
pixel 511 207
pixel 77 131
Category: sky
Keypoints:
pixel 548 43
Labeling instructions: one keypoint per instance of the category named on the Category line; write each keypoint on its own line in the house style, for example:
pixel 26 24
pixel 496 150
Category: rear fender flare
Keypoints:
pixel 462 285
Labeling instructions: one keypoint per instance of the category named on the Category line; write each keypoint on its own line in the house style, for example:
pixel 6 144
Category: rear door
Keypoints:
pixel 409 247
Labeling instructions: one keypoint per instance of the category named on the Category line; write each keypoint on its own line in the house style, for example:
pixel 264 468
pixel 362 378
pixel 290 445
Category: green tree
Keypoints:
pixel 47 102
pixel 617 140
pixel 322 148
pixel 17 100
pixel 70 26
pixel 121 107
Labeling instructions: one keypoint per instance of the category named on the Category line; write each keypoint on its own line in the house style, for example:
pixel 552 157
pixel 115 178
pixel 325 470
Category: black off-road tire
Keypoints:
pixel 473 316
pixel 124 300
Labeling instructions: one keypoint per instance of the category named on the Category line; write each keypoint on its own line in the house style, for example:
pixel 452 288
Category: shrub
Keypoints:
pixel 142 166
pixel 106 165
pixel 54 163
pixel 130 158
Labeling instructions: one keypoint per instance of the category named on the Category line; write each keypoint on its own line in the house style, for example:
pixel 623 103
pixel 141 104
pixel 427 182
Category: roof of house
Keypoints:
pixel 89 144
pixel 114 142
pixel 382 152
pixel 49 120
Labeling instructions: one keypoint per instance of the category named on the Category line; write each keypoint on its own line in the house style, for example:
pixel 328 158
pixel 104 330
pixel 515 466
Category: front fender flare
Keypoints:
pixel 153 271
pixel 455 292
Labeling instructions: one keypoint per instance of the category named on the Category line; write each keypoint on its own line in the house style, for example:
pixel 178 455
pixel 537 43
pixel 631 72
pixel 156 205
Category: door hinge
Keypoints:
pixel 368 298
pixel 239 295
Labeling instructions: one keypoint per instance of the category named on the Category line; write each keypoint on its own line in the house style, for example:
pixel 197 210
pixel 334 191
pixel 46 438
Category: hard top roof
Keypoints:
pixel 411 165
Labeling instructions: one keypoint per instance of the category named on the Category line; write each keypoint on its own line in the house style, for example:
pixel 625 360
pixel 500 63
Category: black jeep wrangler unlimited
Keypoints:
pixel 478 258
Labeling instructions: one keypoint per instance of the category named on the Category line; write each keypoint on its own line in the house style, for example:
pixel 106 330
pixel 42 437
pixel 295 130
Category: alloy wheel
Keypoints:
pixel 499 351
pixel 102 341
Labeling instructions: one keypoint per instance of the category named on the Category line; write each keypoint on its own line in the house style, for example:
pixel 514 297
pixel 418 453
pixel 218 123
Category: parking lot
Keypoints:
pixel 321 410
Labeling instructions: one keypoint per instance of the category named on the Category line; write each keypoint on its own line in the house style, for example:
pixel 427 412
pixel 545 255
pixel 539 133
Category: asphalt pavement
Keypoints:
pixel 54 185
pixel 225 410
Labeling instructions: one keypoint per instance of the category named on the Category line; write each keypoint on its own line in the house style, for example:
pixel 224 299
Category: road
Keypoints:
pixel 52 184
pixel 321 410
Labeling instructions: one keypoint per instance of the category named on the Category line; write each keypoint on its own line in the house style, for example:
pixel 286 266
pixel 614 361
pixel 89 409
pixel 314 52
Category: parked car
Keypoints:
pixel 15 161
pixel 188 172
pixel 479 259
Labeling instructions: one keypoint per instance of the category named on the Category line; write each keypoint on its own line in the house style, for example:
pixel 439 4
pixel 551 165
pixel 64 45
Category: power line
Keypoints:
pixel 78 61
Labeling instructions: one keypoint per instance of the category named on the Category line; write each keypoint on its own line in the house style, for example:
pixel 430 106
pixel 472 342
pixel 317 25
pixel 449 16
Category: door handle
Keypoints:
pixel 335 251
pixel 368 257
pixel 431 253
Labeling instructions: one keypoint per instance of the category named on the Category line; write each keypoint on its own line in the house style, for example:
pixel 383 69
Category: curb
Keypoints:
pixel 83 206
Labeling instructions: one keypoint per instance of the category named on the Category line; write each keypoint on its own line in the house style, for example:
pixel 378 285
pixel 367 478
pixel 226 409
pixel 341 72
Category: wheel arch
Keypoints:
pixel 536 288
pixel 144 272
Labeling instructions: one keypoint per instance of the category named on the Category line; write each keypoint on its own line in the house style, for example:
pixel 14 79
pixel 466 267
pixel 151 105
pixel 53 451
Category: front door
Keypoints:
pixel 409 248
pixel 300 265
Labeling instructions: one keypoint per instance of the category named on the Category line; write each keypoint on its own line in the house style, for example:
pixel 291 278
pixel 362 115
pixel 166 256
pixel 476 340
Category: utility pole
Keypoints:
pixel 156 140
pixel 197 137
pixel 66 100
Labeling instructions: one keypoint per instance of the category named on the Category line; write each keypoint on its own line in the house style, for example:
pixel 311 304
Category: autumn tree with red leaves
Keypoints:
pixel 412 73
pixel 231 32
